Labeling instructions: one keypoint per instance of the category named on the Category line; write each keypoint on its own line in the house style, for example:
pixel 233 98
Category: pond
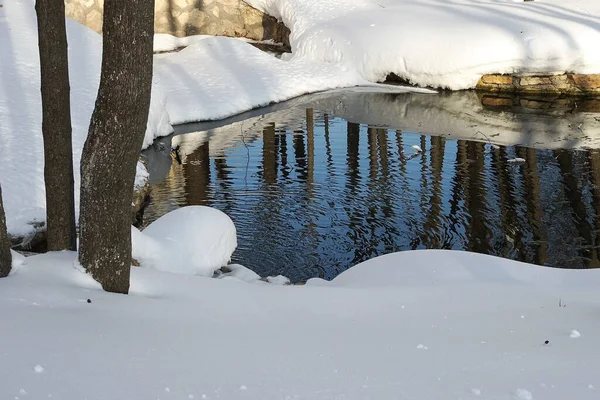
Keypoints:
pixel 320 183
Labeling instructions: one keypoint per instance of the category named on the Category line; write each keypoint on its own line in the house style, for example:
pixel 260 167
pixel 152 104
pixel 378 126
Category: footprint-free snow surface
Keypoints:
pixel 444 43
pixel 424 325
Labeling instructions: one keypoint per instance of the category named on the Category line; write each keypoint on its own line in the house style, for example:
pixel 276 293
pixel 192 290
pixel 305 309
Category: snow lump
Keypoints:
pixel 194 240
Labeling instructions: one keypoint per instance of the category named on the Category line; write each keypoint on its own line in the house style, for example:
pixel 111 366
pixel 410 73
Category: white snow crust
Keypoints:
pixel 355 338
pixel 443 43
pixel 194 240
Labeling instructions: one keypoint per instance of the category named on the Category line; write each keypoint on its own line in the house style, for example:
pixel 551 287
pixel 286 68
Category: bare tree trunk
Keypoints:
pixel 117 128
pixel 56 125
pixel 5 257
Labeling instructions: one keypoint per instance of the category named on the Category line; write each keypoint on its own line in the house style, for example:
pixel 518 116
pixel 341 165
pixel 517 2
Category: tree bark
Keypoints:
pixel 56 125
pixel 5 257
pixel 112 148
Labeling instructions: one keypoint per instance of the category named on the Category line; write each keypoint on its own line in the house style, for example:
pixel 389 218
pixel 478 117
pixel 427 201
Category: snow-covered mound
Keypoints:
pixel 194 240
pixel 451 268
pixel 474 328
pixel 21 145
pixel 444 43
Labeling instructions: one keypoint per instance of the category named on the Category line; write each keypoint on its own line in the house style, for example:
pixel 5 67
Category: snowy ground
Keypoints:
pixel 443 43
pixel 414 325
pixel 424 325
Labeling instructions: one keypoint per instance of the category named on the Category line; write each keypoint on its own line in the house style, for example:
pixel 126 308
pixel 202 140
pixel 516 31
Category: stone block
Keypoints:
pixel 75 12
pixel 496 101
pixel 161 5
pixel 230 11
pixel 534 80
pixel 252 16
pixel 535 104
pixel 497 79
pixel 587 82
pixel 179 3
pixel 93 20
pixel 589 105
pixel 540 88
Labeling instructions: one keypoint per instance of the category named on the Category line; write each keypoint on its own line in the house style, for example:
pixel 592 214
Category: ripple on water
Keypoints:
pixel 314 200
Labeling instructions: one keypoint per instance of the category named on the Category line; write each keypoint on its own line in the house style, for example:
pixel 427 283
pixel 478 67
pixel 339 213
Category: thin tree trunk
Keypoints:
pixel 117 127
pixel 5 257
pixel 56 125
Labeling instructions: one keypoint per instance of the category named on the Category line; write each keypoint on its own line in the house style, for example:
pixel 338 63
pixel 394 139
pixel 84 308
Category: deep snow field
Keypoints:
pixel 419 325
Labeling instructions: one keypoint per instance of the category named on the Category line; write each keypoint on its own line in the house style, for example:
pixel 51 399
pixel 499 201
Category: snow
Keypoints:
pixel 141 176
pixel 443 43
pixel 21 147
pixel 194 240
pixel 349 339
pixel 167 42
pixel 575 334
pixel 278 280
pixel 236 77
pixel 164 42
pixel 523 394
pixel 17 261
pixel 240 272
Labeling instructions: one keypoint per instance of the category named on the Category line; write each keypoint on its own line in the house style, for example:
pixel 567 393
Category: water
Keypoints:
pixel 321 183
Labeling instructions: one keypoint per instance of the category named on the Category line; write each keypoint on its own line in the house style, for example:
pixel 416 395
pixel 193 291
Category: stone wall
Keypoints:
pixel 194 17
pixel 548 103
pixel 572 84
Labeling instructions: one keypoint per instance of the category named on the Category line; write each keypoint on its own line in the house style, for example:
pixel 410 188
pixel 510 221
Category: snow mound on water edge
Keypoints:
pixel 443 43
pixel 193 240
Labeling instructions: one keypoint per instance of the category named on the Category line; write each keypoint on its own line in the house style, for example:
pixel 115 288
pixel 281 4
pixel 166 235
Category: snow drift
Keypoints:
pixel 443 43
pixel 424 325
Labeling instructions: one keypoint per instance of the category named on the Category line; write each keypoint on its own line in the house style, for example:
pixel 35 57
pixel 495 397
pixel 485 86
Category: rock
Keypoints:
pixel 571 84
pixel 192 17
pixel 497 79
pixel 587 82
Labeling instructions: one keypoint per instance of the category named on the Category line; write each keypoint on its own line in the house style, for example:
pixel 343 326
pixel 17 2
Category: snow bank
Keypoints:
pixel 478 326
pixel 451 268
pixel 443 43
pixel 192 240
pixel 218 77
pixel 21 145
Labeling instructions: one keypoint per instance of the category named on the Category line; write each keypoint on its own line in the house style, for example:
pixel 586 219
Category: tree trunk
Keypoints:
pixel 56 125
pixel 5 257
pixel 112 148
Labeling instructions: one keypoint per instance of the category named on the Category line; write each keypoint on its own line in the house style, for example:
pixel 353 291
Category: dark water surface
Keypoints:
pixel 321 183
